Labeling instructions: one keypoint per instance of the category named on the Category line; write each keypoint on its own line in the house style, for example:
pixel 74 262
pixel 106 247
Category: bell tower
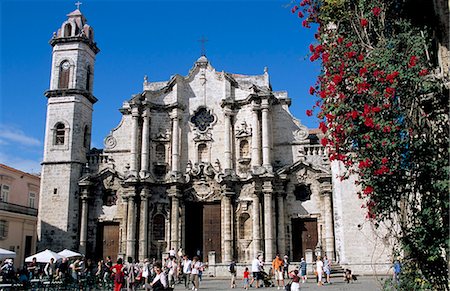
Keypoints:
pixel 68 132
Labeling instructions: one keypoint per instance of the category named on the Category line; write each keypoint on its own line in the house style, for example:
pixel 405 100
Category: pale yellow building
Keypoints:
pixel 19 200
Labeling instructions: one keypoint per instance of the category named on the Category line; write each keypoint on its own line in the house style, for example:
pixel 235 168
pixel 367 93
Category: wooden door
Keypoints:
pixel 212 231
pixel 110 241
pixel 304 236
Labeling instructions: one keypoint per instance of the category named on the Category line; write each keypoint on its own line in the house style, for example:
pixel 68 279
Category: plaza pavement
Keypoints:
pixel 362 284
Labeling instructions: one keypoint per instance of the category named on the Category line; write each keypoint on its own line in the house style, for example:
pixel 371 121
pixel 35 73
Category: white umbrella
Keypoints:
pixel 69 254
pixel 5 254
pixel 44 257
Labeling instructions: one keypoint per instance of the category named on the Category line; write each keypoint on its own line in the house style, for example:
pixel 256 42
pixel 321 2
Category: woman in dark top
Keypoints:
pixel 295 285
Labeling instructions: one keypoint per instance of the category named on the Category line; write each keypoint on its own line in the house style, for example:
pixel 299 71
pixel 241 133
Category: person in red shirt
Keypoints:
pixel 246 278
pixel 118 274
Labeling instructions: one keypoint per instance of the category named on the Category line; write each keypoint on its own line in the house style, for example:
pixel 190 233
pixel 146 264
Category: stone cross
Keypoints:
pixel 203 40
pixel 78 4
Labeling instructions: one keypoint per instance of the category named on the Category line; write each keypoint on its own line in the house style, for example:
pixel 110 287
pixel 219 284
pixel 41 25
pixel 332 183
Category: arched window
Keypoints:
pixel 91 34
pixel 67 30
pixel 86 137
pixel 244 149
pixel 245 226
pixel 159 227
pixel 60 133
pixel 88 78
pixel 302 192
pixel 202 153
pixel 64 72
pixel 160 153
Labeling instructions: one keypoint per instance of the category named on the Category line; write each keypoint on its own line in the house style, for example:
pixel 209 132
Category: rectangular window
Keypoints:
pixel 5 193
pixel 3 229
pixel 32 199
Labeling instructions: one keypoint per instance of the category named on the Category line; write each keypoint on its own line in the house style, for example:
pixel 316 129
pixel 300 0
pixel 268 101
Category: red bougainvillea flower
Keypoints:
pixel 309 112
pixel 348 44
pixel 384 160
pixel 300 14
pixel 323 127
pixel 311 48
pixel 364 22
pixel 389 92
pixel 312 90
pixel 391 77
pixel 340 40
pixel 368 190
pixel 376 11
pixel 305 23
pixel 324 141
pixel 423 72
pixel 387 129
pixel 363 71
pixel 360 57
pixel 369 122
pixel 412 61
pixel 295 8
pixel 337 79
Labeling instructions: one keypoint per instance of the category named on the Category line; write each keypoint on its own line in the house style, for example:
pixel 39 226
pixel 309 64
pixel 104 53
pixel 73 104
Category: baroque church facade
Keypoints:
pixel 212 163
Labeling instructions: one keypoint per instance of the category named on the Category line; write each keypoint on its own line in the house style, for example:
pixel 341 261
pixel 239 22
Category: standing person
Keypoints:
pixel 159 282
pixel 303 266
pixel 187 269
pixel 277 270
pixel 131 274
pixel 232 270
pixel 107 267
pixel 319 270
pixel 50 269
pixel 172 267
pixel 256 269
pixel 286 265
pixel 327 268
pixel 33 269
pixel 62 269
pixel 246 278
pixel 100 272
pixel 146 274
pixel 117 271
pixel 196 265
pixel 295 285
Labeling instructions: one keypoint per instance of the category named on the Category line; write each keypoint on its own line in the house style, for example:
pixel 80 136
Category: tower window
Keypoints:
pixel 64 70
pixel 67 30
pixel 86 137
pixel 60 133
pixel 159 227
pixel 244 149
pixel 88 78
pixel 202 153
pixel 160 153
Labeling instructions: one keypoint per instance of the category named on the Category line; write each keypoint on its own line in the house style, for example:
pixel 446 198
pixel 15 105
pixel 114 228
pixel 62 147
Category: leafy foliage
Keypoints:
pixel 385 116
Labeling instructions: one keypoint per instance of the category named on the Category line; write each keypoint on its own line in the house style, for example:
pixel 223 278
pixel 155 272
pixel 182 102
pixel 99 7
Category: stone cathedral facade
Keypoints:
pixel 211 162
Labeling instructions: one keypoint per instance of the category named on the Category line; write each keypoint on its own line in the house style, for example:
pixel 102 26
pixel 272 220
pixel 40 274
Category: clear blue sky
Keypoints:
pixel 137 38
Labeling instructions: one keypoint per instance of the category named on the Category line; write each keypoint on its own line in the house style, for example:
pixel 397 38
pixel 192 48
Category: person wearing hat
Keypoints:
pixel 286 265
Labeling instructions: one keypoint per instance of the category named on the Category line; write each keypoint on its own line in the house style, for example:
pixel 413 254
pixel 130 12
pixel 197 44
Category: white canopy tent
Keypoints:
pixel 44 257
pixel 5 254
pixel 69 254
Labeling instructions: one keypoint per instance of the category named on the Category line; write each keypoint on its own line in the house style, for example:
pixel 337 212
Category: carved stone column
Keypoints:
pixel 281 237
pixel 256 137
pixel 134 141
pixel 175 116
pixel 268 221
pixel 174 194
pixel 227 139
pixel 266 135
pixel 131 224
pixel 143 225
pixel 328 220
pixel 256 227
pixel 227 225
pixel 84 220
pixel 145 141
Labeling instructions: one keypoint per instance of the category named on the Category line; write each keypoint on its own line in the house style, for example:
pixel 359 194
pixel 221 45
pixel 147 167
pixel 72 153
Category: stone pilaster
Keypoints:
pixel 143 224
pixel 145 141
pixel 266 135
pixel 175 116
pixel 174 194
pixel 227 139
pixel 328 220
pixel 227 225
pixel 134 141
pixel 281 237
pixel 84 221
pixel 256 137
pixel 131 224
pixel 268 221
pixel 256 227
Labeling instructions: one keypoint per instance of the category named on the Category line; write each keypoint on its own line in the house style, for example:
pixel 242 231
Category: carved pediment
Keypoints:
pixel 243 130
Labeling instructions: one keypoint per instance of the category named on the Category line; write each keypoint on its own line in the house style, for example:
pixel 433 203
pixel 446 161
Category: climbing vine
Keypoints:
pixel 384 114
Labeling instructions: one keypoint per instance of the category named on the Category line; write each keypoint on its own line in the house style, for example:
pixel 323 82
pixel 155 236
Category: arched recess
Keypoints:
pixel 202 152
pixel 67 30
pixel 158 227
pixel 59 134
pixel 244 149
pixel 64 74
pixel 245 226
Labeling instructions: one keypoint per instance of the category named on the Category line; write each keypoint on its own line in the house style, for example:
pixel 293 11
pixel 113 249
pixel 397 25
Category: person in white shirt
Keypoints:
pixel 50 269
pixel 160 280
pixel 196 266
pixel 319 270
pixel 187 268
pixel 256 269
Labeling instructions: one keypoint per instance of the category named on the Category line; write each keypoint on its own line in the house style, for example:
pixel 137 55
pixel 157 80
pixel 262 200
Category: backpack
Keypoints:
pixel 232 268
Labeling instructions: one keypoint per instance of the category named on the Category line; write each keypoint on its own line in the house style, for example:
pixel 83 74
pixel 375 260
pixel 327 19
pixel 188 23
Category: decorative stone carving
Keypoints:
pixel 203 119
pixel 110 142
pixel 301 134
pixel 243 130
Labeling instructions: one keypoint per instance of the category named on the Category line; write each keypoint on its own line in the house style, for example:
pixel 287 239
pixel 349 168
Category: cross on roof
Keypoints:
pixel 78 4
pixel 203 40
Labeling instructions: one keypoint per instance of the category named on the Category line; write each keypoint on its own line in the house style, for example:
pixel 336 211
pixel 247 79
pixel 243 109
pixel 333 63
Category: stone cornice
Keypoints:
pixel 62 40
pixel 70 92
